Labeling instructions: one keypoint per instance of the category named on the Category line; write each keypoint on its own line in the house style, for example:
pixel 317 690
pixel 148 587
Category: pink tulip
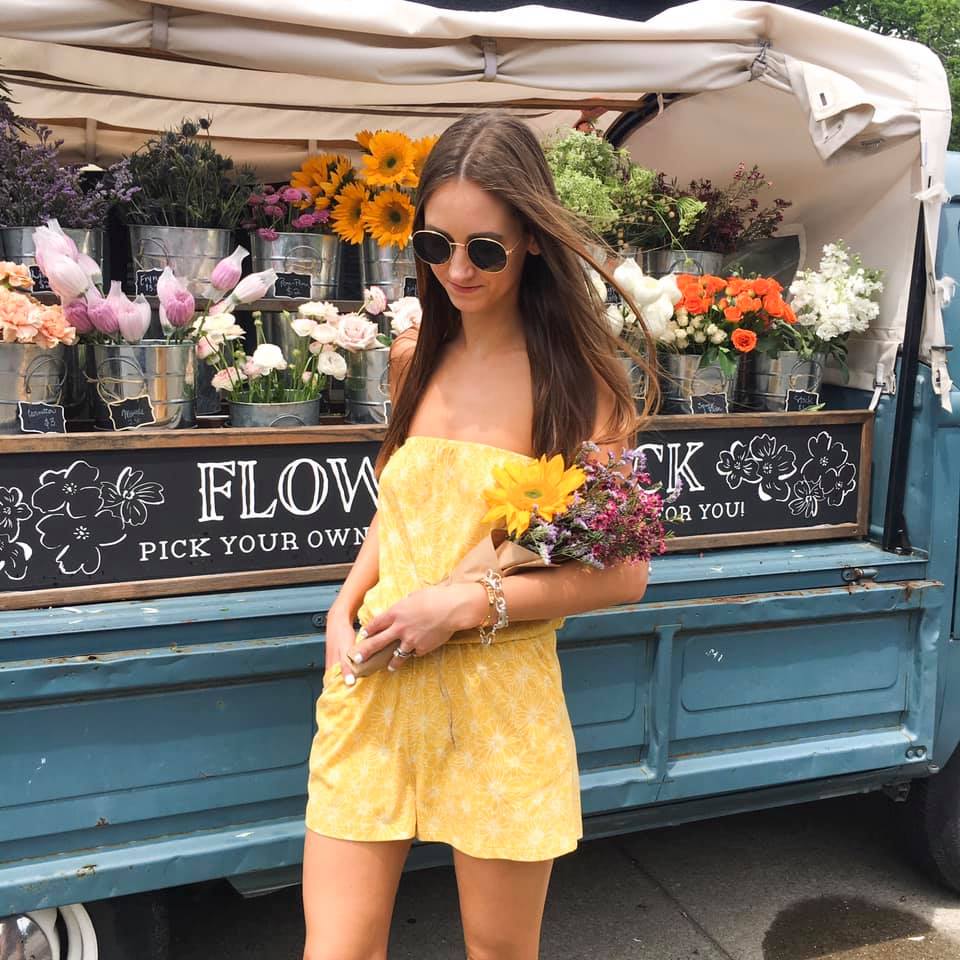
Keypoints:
pixel 135 319
pixel 102 313
pixel 254 287
pixel 90 267
pixel 226 273
pixel 177 305
pixel 50 241
pixel 78 317
pixel 68 280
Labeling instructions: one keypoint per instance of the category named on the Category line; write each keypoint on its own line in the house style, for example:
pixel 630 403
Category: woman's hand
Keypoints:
pixel 423 621
pixel 339 639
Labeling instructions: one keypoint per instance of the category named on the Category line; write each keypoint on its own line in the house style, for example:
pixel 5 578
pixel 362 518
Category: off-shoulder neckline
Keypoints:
pixel 469 443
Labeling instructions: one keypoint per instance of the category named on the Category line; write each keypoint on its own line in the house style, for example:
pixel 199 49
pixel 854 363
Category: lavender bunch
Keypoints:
pixel 615 516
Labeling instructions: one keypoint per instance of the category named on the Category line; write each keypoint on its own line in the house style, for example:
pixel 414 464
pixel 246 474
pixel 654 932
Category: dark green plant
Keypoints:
pixel 185 182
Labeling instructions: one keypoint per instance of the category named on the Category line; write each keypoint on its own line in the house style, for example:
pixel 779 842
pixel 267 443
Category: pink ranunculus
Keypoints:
pixel 322 216
pixel 102 313
pixel 251 371
pixel 254 286
pixel 272 210
pixel 135 319
pixel 228 379
pixel 227 272
pixel 357 333
pixel 305 222
pixel 78 317
pixel 267 233
pixel 291 195
pixel 205 348
pixel 68 279
pixel 269 190
pixel 374 301
pixel 254 200
pixel 49 241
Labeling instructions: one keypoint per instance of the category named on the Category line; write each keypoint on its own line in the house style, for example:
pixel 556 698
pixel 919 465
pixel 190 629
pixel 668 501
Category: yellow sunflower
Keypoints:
pixel 388 218
pixel 421 148
pixel 390 159
pixel 543 483
pixel 347 216
pixel 321 175
pixel 363 137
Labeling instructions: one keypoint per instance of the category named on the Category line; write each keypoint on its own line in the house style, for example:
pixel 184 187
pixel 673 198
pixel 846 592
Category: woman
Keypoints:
pixel 460 741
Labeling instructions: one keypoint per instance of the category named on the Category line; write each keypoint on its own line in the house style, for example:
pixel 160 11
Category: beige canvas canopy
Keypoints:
pixel 850 126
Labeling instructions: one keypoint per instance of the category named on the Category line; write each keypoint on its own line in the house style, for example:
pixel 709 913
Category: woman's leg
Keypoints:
pixel 501 904
pixel 349 888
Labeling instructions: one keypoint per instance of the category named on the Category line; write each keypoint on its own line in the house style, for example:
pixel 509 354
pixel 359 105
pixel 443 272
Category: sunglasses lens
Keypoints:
pixel 488 255
pixel 431 247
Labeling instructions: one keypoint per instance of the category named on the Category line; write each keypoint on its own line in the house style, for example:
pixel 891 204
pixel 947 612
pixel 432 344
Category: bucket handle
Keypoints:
pixel 794 376
pixel 101 379
pixel 33 368
pixel 724 380
pixel 159 244
pixel 311 257
pixel 298 421
pixel 683 261
pixel 385 382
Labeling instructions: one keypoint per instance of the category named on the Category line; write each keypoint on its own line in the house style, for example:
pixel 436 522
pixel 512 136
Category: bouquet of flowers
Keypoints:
pixel 266 376
pixel 379 203
pixel 731 216
pixel 305 204
pixel 720 317
pixel 323 323
pixel 829 305
pixel 24 319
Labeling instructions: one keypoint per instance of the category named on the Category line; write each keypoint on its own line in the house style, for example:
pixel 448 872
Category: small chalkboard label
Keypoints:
pixel 145 282
pixel 613 294
pixel 709 403
pixel 40 283
pixel 801 399
pixel 292 286
pixel 41 418
pixel 131 413
pixel 410 286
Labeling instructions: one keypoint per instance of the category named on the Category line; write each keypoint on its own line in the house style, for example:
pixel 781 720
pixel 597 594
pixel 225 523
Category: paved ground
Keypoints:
pixel 823 880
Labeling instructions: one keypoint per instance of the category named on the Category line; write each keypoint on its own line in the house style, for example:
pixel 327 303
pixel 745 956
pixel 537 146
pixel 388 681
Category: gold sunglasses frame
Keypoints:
pixel 436 233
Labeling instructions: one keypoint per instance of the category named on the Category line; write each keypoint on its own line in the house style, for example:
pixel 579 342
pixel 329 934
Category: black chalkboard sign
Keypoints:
pixel 40 282
pixel 140 511
pixel 410 286
pixel 802 399
pixel 41 418
pixel 709 403
pixel 613 294
pixel 145 282
pixel 292 286
pixel 131 413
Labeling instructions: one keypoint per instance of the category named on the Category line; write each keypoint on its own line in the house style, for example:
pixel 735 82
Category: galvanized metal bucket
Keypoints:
pixel 17 246
pixel 771 377
pixel 30 374
pixel 191 252
pixel 391 268
pixel 307 254
pixel 367 386
pixel 683 378
pixel 293 413
pixel 659 263
pixel 164 372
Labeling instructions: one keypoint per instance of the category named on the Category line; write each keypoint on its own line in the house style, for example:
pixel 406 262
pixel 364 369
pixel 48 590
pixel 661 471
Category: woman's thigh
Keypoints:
pixel 349 888
pixel 501 904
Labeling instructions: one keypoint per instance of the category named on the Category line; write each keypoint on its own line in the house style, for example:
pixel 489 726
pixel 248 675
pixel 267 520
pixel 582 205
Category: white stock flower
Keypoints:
pixel 598 283
pixel 657 315
pixel 643 290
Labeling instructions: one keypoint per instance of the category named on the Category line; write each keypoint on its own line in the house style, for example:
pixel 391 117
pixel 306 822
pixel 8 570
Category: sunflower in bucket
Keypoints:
pixel 379 203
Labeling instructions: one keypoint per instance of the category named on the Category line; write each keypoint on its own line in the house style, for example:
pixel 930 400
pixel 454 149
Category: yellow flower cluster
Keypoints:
pixel 322 176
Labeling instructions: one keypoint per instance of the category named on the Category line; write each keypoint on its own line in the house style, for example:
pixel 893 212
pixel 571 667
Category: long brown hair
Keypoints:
pixel 568 337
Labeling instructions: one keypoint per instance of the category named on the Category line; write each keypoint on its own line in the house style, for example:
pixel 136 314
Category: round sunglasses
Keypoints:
pixel 485 253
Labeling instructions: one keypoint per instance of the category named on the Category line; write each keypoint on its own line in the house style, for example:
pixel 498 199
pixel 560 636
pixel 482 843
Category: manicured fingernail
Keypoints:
pixel 362 633
pixel 349 679
pixel 391 669
pixel 356 656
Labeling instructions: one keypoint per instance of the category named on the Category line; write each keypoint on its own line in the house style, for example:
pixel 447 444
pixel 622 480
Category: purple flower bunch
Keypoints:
pixel 616 515
pixel 272 211
pixel 35 187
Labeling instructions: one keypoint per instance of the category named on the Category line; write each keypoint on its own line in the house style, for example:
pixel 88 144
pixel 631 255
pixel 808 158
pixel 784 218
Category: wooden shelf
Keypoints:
pixel 272 305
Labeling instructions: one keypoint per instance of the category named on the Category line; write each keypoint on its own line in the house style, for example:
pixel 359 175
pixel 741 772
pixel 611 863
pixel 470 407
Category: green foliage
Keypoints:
pixel 185 182
pixel 934 23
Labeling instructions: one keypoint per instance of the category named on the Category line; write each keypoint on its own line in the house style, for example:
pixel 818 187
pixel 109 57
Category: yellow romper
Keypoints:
pixel 470 745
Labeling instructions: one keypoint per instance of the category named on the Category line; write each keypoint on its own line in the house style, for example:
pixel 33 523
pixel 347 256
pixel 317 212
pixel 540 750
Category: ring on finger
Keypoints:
pixel 403 654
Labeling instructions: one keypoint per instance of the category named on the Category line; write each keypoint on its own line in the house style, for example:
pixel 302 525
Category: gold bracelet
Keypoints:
pixel 491 606
pixel 493 581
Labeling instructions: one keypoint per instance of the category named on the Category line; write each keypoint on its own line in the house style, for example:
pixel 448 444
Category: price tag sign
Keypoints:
pixel 145 282
pixel 410 286
pixel 40 282
pixel 802 399
pixel 41 418
pixel 613 295
pixel 292 286
pixel 131 413
pixel 709 403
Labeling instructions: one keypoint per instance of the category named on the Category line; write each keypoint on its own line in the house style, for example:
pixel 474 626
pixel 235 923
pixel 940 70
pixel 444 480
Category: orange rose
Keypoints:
pixel 774 305
pixel 788 314
pixel 743 340
pixel 733 314
pixel 713 284
pixel 695 305
pixel 735 286
pixel 761 286
pixel 747 304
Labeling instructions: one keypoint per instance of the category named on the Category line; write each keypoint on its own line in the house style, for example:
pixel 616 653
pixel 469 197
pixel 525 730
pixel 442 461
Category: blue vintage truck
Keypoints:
pixel 162 741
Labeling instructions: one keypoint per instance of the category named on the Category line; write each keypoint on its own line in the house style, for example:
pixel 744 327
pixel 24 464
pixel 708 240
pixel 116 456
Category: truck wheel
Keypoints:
pixel 930 824
pixel 117 929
